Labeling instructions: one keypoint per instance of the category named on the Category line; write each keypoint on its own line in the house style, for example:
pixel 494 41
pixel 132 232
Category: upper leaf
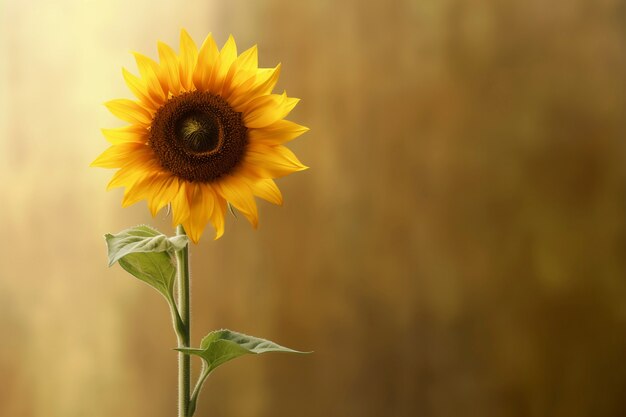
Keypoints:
pixel 148 255
pixel 142 239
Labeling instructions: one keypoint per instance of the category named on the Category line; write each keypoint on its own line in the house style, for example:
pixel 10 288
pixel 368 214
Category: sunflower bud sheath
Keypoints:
pixel 204 132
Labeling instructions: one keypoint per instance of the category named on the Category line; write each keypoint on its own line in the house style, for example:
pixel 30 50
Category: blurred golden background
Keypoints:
pixel 458 247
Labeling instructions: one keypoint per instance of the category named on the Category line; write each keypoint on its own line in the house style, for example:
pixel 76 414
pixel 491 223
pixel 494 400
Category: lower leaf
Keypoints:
pixel 221 346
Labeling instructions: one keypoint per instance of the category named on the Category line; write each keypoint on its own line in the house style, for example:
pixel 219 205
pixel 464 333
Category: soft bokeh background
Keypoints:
pixel 458 247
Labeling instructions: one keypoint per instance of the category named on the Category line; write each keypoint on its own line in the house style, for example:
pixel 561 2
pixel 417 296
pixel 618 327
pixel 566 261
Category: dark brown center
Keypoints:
pixel 198 136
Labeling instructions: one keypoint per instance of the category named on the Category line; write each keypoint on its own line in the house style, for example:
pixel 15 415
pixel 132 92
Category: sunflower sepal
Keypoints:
pixel 221 346
pixel 148 255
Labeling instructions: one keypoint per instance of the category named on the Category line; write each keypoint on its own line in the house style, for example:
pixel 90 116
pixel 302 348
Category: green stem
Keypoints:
pixel 196 391
pixel 184 361
pixel 177 322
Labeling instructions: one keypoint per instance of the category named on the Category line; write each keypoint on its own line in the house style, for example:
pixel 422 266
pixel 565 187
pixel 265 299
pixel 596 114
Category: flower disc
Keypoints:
pixel 198 136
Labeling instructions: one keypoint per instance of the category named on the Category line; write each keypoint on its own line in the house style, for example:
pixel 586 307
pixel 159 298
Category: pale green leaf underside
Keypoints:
pixel 155 269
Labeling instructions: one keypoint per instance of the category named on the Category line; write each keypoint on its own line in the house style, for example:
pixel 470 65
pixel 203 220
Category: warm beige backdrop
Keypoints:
pixel 458 247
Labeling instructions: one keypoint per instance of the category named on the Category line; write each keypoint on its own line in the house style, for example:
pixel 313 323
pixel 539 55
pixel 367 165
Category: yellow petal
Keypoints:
pixel 201 201
pixel 180 205
pixel 217 219
pixel 243 67
pixel 129 111
pixel 267 190
pixel 169 67
pixel 237 94
pixel 239 194
pixel 265 110
pixel 228 54
pixel 133 133
pixel 261 84
pixel 206 61
pixel 188 59
pixel 266 79
pixel 137 191
pixel 271 161
pixel 142 186
pixel 129 174
pixel 154 184
pixel 277 133
pixel 138 88
pixel 117 155
pixel 149 71
pixel 131 197
pixel 163 193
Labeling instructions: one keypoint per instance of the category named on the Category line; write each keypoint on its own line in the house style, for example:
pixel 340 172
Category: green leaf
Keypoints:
pixel 221 346
pixel 148 255
pixel 142 239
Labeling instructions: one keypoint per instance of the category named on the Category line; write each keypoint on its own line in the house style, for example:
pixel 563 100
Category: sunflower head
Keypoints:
pixel 205 130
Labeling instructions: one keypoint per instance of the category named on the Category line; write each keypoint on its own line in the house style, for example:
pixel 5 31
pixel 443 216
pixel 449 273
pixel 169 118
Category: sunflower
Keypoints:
pixel 205 131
